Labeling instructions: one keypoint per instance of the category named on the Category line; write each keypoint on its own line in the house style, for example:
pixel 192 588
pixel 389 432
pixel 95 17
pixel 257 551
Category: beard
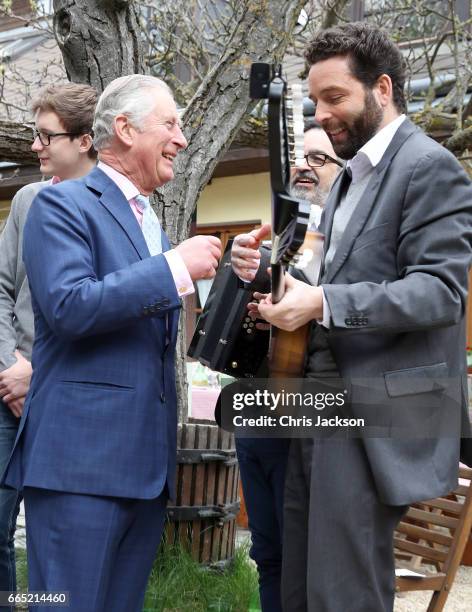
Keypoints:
pixel 315 195
pixel 361 129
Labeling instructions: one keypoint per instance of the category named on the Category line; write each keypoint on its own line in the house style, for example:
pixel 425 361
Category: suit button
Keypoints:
pixel 163 397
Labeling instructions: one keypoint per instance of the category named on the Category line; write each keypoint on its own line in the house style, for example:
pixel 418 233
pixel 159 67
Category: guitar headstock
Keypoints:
pixel 289 214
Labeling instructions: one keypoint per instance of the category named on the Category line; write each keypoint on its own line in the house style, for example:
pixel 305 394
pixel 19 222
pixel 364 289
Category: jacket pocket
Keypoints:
pixel 107 386
pixel 421 379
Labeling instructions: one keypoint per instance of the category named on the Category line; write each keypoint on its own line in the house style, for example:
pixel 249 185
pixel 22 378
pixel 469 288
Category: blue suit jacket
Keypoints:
pixel 100 417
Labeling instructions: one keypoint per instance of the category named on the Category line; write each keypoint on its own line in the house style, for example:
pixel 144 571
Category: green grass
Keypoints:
pixel 21 569
pixel 179 584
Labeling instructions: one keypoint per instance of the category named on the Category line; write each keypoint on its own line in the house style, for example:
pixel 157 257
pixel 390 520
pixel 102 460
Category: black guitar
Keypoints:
pixel 290 216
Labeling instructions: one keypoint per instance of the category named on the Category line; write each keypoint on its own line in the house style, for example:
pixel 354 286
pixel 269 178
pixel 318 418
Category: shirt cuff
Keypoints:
pixel 326 320
pixel 178 269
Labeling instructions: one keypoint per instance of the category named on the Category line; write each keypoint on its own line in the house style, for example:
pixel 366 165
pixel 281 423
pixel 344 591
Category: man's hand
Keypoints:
pixel 245 254
pixel 16 406
pixel 253 308
pixel 301 303
pixel 15 380
pixel 201 255
pixel 14 383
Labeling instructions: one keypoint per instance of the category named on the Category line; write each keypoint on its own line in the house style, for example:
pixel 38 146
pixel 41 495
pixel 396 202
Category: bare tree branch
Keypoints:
pixel 460 141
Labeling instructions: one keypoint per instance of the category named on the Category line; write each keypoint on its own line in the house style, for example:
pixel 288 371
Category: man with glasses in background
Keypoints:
pixel 62 140
pixel 263 461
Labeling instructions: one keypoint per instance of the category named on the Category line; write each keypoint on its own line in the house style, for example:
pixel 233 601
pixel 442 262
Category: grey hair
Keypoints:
pixel 127 95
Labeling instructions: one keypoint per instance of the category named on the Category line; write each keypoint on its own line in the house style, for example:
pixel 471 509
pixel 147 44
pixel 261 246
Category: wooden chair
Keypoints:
pixel 435 533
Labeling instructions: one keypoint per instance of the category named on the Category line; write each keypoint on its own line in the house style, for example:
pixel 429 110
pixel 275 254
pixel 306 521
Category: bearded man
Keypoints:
pixel 389 309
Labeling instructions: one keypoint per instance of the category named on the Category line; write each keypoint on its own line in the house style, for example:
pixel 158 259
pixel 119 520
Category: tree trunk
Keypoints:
pixel 460 140
pixel 99 40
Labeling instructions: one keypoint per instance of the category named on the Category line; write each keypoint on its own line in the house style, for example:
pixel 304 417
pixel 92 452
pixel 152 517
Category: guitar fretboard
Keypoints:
pixel 294 106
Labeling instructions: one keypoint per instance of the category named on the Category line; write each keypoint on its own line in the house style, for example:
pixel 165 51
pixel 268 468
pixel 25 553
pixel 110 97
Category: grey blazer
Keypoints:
pixel 397 290
pixel 16 315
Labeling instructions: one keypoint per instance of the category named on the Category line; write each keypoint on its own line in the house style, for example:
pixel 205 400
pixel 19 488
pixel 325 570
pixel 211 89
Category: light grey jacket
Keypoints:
pixel 397 290
pixel 16 315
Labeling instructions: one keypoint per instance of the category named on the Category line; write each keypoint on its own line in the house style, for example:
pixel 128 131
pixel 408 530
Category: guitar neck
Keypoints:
pixel 277 282
pixel 289 215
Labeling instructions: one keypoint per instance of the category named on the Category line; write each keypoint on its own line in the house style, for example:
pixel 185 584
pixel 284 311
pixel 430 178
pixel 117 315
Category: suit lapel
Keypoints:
pixel 111 197
pixel 364 207
pixel 355 224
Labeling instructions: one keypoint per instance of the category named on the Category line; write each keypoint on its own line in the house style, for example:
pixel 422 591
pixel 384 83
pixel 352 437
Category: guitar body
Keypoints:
pixel 287 352
pixel 287 349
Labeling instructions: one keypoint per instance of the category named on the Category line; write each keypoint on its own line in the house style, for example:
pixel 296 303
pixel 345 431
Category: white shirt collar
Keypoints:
pixel 372 152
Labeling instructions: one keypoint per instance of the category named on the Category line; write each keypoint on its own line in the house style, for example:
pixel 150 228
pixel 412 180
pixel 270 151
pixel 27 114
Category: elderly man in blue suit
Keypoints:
pixel 95 453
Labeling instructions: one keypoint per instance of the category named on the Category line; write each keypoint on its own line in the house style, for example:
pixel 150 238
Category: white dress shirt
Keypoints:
pixel 363 162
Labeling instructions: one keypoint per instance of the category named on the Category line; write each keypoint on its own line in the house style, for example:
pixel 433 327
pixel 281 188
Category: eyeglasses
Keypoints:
pixel 45 139
pixel 317 160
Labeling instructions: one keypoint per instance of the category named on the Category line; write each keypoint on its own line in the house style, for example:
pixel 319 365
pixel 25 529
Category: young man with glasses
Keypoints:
pixel 62 140
pixel 263 462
